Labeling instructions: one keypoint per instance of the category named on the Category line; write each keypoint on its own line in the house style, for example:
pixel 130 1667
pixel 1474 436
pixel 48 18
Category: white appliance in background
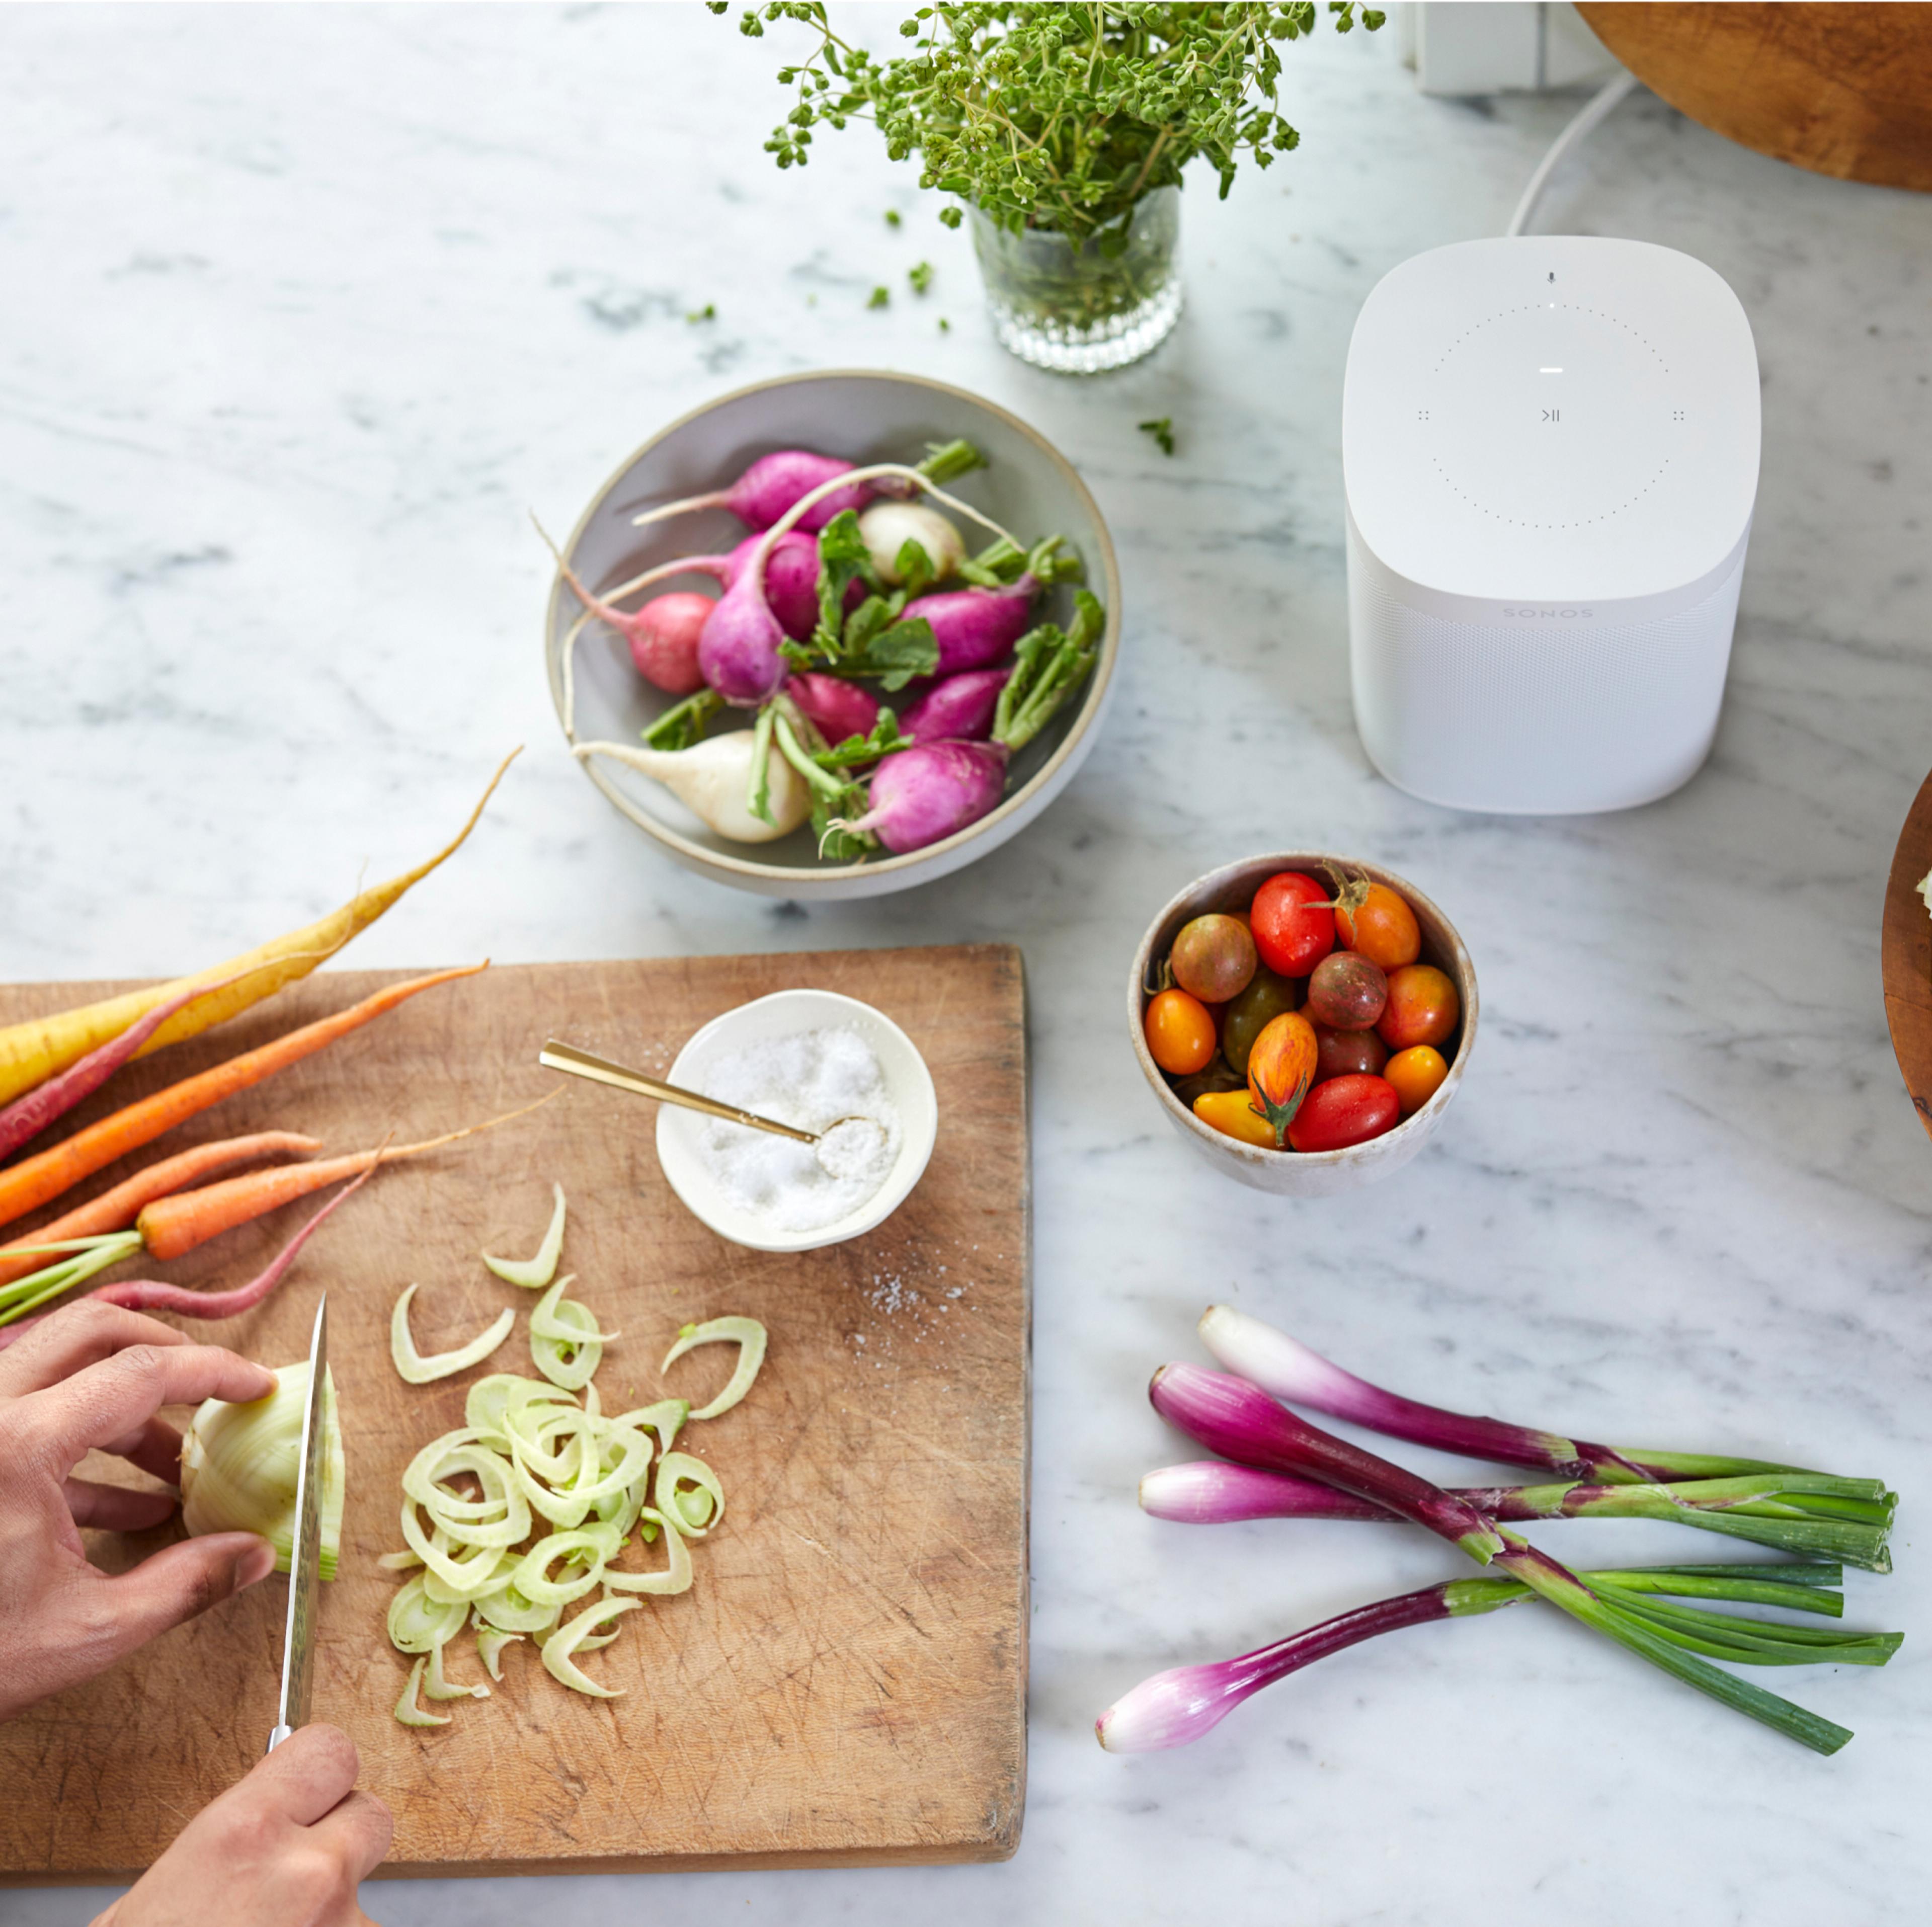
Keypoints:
pixel 1549 448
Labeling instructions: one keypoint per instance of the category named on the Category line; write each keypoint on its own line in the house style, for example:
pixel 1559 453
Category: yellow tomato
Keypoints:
pixel 1232 1113
pixel 1417 1074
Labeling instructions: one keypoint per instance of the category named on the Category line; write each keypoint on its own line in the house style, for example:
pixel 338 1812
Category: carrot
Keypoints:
pixel 117 1210
pixel 172 1226
pixel 31 1052
pixel 152 1295
pixel 32 1182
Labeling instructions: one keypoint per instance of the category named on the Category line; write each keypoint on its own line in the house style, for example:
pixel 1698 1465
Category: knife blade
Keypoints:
pixel 305 1554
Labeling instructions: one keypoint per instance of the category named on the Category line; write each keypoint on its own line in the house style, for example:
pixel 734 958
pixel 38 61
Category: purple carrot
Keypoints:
pixel 975 627
pixel 773 484
pixel 1286 1368
pixel 153 1294
pixel 1173 1708
pixel 959 709
pixel 1240 1422
pixel 837 708
pixel 27 1117
pixel 920 796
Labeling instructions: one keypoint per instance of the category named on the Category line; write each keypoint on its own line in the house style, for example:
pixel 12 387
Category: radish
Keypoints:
pixel 837 708
pixel 791 581
pixel 711 780
pixel 920 796
pixel 663 634
pixel 887 527
pixel 974 627
pixel 961 708
pixel 775 484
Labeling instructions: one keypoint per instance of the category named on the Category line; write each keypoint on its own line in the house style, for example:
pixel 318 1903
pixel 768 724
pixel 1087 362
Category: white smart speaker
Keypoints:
pixel 1550 448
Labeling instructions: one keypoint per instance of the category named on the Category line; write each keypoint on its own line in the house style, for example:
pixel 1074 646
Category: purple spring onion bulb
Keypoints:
pixel 1239 1421
pixel 974 628
pixel 1174 1708
pixel 957 708
pixel 920 796
pixel 1209 1493
pixel 1288 1370
pixel 838 708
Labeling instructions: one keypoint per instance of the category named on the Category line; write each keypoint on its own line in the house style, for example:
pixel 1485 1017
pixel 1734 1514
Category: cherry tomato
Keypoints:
pixel 1384 930
pixel 1212 957
pixel 1180 1032
pixel 1423 1008
pixel 1266 998
pixel 1281 1066
pixel 1417 1074
pixel 1339 1053
pixel 1344 1111
pixel 1232 1113
pixel 1294 927
pixel 1347 991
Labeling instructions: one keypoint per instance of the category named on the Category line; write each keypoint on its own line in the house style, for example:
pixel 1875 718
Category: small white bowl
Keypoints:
pixel 783 1014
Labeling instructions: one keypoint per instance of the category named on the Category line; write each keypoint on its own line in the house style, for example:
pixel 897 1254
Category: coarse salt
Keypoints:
pixel 811 1080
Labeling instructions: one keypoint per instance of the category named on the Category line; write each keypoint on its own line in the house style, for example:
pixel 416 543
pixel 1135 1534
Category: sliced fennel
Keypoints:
pixel 749 1337
pixel 408 1711
pixel 239 1465
pixel 566 1341
pixel 569 1638
pixel 415 1369
pixel 693 1513
pixel 437 1687
pixel 534 1273
pixel 490 1645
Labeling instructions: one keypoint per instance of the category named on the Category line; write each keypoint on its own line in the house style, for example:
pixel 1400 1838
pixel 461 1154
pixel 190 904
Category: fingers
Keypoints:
pixel 68 1341
pixel 154 1447
pixel 115 1508
pixel 117 1396
pixel 174 1585
pixel 357 1828
pixel 309 1775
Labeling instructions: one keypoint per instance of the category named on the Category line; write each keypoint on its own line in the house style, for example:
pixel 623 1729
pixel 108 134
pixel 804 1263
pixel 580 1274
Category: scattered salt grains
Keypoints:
pixel 811 1080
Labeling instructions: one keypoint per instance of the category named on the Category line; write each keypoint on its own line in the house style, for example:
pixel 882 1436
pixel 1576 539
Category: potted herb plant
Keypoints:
pixel 1063 131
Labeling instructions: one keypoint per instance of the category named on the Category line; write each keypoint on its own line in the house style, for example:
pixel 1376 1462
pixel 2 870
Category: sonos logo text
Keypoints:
pixel 1564 614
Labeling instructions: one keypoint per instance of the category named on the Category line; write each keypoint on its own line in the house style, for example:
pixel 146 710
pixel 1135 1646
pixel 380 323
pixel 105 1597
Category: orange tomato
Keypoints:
pixel 1384 930
pixel 1281 1066
pixel 1180 1032
pixel 1417 1074
pixel 1423 1008
pixel 1232 1113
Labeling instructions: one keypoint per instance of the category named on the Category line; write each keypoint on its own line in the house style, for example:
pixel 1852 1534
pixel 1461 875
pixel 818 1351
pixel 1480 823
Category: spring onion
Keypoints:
pixel 534 1273
pixel 749 1337
pixel 1851 1524
pixel 1238 1420
pixel 1286 1368
pixel 239 1465
pixel 1173 1708
pixel 415 1369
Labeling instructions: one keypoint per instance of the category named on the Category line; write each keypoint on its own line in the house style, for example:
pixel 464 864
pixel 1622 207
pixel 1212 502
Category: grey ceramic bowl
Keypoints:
pixel 1028 487
pixel 1298 1174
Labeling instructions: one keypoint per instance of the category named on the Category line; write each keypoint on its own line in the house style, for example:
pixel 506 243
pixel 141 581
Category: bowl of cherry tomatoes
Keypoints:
pixel 1304 1020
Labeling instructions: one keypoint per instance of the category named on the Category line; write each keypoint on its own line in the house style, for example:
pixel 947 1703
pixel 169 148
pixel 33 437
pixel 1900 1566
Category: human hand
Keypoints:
pixel 285 1846
pixel 95 1375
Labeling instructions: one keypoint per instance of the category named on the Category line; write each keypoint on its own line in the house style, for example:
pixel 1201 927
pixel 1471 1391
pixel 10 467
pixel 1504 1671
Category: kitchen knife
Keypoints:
pixel 305 1552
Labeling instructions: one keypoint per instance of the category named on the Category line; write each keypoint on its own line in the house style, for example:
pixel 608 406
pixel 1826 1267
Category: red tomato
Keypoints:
pixel 1344 1111
pixel 1294 927
pixel 1180 1034
pixel 1423 1008
pixel 1337 1053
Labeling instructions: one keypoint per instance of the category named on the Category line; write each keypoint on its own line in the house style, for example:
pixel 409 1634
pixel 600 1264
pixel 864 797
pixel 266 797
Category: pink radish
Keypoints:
pixel 773 484
pixel 961 708
pixel 837 708
pixel 975 627
pixel 663 633
pixel 920 796
pixel 791 581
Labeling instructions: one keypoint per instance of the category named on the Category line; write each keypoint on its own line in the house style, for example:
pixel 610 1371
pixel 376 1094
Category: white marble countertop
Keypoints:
pixel 303 308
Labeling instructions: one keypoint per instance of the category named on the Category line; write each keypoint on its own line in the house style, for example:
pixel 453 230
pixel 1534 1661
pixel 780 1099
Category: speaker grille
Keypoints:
pixel 1541 715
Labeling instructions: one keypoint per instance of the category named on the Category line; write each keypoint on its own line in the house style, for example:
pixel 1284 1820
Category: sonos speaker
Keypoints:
pixel 1550 447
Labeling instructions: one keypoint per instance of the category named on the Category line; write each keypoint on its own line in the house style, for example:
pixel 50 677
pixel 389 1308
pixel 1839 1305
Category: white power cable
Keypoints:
pixel 1602 104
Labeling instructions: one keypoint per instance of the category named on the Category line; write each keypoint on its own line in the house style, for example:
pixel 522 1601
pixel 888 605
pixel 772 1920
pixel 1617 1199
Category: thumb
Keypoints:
pixel 178 1583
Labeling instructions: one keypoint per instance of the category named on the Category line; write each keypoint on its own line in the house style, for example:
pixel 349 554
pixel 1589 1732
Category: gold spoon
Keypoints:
pixel 556 1056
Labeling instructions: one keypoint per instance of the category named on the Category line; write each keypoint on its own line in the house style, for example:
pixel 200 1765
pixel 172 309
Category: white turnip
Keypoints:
pixel 711 780
pixel 887 527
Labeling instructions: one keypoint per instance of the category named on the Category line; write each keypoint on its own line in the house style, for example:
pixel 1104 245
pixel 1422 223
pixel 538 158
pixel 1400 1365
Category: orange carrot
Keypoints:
pixel 171 1226
pixel 34 1180
pixel 117 1210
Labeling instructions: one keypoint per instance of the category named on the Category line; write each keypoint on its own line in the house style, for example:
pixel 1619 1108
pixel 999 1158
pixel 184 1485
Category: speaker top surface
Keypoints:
pixel 1552 417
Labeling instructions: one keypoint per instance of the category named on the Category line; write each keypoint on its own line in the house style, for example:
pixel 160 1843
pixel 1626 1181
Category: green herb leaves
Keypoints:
pixel 872 640
pixel 1056 117
pixel 1162 429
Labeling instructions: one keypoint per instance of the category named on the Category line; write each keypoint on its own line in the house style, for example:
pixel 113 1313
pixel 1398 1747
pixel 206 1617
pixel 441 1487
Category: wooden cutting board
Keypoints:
pixel 1905 954
pixel 845 1682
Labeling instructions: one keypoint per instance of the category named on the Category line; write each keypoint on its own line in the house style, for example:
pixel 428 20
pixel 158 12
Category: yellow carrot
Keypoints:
pixel 33 1052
